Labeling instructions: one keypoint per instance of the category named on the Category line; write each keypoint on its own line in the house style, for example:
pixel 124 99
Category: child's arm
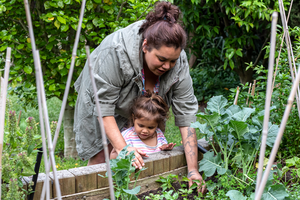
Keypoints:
pixel 167 147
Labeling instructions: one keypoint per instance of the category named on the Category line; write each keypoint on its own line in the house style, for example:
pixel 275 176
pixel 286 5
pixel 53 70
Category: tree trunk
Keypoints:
pixel 69 135
pixel 245 76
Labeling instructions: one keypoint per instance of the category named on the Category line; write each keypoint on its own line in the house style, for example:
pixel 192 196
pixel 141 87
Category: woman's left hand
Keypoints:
pixel 194 175
pixel 167 147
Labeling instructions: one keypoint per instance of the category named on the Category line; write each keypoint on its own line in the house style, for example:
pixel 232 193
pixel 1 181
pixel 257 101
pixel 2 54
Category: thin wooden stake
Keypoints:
pixel 3 94
pixel 279 136
pixel 290 51
pixel 42 107
pixel 104 140
pixel 70 75
pixel 252 91
pixel 236 95
pixel 268 100
pixel 248 93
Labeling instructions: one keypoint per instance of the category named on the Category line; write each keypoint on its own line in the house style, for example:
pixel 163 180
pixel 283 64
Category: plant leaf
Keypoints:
pixel 275 192
pixel 272 134
pixel 212 120
pixel 217 104
pixel 235 195
pixel 243 114
pixel 239 127
pixel 133 191
pixel 210 163
pixel 202 128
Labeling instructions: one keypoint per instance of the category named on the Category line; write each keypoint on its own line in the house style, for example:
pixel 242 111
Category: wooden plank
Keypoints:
pixel 160 162
pixel 85 178
pixel 66 182
pixel 177 158
pixel 39 186
pixel 146 184
pixel 149 169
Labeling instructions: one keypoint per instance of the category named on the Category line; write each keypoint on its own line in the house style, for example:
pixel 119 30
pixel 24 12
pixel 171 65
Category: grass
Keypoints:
pixel 172 132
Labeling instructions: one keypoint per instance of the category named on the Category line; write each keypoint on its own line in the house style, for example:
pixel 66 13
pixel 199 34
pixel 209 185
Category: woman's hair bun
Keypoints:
pixel 164 11
pixel 162 27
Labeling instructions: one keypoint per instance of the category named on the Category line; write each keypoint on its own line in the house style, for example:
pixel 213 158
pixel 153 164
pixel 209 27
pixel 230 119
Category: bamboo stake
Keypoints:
pixel 248 93
pixel 70 75
pixel 48 130
pixel 252 91
pixel 279 136
pixel 236 95
pixel 3 94
pixel 289 50
pixel 253 88
pixel 42 104
pixel 268 100
pixel 281 44
pixel 104 140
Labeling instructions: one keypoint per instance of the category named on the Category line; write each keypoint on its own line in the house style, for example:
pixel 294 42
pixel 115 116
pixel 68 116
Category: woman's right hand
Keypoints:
pixel 138 162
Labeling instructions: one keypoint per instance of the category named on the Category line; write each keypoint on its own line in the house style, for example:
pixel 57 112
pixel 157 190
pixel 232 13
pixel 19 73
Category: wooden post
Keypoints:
pixel 3 93
pixel 237 95
pixel 248 93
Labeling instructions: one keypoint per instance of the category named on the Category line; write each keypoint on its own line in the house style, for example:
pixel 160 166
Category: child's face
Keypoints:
pixel 145 128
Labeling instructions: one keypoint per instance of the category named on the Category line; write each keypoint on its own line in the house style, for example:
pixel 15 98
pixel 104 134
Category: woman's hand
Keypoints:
pixel 138 161
pixel 167 147
pixel 194 175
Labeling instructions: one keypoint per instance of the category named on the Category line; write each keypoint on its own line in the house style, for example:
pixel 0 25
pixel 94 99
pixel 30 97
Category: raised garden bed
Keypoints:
pixel 84 182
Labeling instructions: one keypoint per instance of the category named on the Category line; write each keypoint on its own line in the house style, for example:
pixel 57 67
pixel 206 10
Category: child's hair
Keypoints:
pixel 152 107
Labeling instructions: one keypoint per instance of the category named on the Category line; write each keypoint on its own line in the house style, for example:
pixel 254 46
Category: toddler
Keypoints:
pixel 147 123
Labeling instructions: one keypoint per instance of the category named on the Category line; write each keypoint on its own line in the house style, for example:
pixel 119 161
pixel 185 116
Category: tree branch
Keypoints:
pixel 144 12
pixel 261 50
pixel 23 25
pixel 120 11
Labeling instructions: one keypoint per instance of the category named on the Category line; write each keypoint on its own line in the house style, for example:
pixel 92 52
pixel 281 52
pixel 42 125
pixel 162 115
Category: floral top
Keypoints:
pixel 156 87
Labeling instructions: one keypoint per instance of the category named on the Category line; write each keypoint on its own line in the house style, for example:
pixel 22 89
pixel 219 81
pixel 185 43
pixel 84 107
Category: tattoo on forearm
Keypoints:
pixel 190 143
pixel 191 173
pixel 191 132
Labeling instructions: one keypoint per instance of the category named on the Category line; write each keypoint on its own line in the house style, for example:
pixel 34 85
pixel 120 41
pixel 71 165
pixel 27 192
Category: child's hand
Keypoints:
pixel 167 147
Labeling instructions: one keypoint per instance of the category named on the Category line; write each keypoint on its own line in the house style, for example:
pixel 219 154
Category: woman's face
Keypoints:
pixel 160 60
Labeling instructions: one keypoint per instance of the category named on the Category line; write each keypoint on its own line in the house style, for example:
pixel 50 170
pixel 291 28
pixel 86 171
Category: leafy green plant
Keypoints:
pixel 282 87
pixel 237 136
pixel 19 152
pixel 122 169
pixel 212 81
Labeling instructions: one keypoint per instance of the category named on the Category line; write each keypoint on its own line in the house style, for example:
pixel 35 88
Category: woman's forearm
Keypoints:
pixel 113 133
pixel 189 141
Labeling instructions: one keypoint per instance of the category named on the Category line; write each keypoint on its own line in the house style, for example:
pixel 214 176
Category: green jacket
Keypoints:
pixel 117 64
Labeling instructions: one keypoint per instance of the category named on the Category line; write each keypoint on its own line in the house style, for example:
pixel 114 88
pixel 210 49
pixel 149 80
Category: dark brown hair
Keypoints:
pixel 152 107
pixel 161 27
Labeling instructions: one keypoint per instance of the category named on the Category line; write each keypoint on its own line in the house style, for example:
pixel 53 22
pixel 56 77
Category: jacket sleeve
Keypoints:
pixel 184 102
pixel 109 78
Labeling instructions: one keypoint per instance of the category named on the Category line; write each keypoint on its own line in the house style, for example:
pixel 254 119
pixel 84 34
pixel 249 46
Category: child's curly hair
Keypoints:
pixel 152 107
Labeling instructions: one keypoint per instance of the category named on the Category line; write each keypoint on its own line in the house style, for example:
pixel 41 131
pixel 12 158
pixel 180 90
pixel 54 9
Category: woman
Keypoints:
pixel 146 55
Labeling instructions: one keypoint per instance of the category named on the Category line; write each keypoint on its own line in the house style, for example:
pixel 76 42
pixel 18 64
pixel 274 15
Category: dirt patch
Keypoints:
pixel 177 186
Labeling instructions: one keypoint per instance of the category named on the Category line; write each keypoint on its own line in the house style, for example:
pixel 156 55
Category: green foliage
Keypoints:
pixel 212 81
pixel 228 33
pixel 55 24
pixel 236 131
pixel 281 90
pixel 122 168
pixel 19 152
